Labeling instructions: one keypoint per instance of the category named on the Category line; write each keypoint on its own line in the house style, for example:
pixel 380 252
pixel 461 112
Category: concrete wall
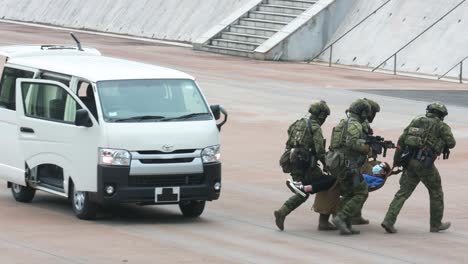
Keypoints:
pixel 306 36
pixel 180 20
pixel 395 25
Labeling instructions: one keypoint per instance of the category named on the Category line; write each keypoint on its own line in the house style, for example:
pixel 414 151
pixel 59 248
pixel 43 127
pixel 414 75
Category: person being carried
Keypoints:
pixel 376 180
pixel 379 174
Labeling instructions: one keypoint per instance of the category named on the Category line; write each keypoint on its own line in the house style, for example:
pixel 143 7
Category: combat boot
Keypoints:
pixel 350 227
pixel 442 227
pixel 388 227
pixel 341 225
pixel 359 220
pixel 324 224
pixel 280 216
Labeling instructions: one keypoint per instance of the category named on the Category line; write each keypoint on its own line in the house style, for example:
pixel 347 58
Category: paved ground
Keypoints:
pixel 262 98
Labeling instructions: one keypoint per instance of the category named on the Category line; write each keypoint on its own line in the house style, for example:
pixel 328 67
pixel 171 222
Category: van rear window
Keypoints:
pixel 8 86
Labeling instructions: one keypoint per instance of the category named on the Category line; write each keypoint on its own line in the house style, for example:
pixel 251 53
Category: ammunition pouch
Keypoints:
pixel 285 161
pixel 426 156
pixel 334 160
pixel 405 158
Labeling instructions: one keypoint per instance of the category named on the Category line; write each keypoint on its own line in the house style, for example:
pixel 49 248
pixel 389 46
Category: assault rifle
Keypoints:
pixel 379 145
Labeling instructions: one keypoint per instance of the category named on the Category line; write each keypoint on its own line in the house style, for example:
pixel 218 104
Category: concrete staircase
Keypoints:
pixel 242 37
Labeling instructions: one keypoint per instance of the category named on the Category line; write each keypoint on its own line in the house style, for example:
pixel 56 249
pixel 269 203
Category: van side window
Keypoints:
pixel 7 86
pixel 48 101
pixel 86 94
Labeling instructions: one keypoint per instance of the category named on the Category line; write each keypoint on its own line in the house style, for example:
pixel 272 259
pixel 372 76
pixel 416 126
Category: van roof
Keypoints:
pixel 88 64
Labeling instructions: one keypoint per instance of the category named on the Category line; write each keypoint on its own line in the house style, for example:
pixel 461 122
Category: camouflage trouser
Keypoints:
pixel 412 175
pixel 366 169
pixel 354 191
pixel 296 200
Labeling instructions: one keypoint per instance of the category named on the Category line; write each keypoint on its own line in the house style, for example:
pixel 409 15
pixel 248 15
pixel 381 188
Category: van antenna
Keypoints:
pixel 78 43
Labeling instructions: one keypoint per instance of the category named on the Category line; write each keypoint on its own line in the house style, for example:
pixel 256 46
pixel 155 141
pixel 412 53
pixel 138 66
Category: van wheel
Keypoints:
pixel 192 208
pixel 23 194
pixel 82 206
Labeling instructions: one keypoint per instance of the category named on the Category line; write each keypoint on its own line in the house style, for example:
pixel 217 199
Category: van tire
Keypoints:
pixel 192 208
pixel 82 206
pixel 23 194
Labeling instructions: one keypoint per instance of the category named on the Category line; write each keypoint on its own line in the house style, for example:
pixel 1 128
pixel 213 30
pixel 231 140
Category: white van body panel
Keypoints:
pixel 12 162
pixel 153 135
pixel 71 147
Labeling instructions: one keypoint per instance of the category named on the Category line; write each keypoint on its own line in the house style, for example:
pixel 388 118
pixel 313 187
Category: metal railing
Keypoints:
pixel 460 76
pixel 330 46
pixel 394 55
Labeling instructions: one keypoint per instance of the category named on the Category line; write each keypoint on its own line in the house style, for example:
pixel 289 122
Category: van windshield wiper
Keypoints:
pixel 139 118
pixel 185 116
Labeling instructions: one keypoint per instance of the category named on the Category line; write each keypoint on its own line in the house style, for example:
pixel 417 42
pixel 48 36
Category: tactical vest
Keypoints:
pixel 338 135
pixel 301 134
pixel 423 132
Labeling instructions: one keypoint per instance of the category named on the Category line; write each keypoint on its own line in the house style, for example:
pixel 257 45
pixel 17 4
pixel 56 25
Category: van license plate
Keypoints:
pixel 167 194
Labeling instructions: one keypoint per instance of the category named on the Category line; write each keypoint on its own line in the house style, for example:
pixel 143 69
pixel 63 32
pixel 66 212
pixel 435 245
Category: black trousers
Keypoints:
pixel 320 183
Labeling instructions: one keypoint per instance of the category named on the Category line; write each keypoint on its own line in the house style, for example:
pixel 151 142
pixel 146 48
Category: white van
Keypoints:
pixel 101 130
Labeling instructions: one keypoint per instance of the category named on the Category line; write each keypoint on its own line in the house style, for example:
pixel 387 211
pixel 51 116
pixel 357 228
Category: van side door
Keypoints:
pixel 48 134
pixel 11 160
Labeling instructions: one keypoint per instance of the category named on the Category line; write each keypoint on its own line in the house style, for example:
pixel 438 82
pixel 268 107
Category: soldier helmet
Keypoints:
pixel 375 108
pixel 320 111
pixel 438 109
pixel 361 108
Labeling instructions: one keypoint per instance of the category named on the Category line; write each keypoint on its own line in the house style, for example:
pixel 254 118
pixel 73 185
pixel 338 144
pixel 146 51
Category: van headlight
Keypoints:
pixel 211 154
pixel 114 157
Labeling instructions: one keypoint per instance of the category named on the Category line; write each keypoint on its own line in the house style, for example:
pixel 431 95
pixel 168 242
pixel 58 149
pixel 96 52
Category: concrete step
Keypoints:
pixel 228 51
pixel 294 3
pixel 243 37
pixel 240 45
pixel 251 22
pixel 261 32
pixel 281 9
pixel 272 16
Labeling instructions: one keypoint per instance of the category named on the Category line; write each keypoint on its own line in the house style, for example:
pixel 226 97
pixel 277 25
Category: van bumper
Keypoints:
pixel 141 189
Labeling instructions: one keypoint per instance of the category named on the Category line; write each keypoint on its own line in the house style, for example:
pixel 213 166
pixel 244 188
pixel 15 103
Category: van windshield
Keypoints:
pixel 151 101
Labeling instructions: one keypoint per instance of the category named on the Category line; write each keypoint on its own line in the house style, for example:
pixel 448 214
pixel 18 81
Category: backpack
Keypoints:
pixel 299 133
pixel 338 134
pixel 422 132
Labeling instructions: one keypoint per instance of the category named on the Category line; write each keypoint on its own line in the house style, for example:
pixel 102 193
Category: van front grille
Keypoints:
pixel 166 161
pixel 158 152
pixel 165 180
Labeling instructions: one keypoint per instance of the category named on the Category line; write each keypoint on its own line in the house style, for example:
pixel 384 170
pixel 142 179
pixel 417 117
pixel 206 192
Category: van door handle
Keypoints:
pixel 27 130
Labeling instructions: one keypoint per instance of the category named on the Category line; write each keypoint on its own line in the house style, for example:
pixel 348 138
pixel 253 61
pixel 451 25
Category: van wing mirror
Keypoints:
pixel 217 111
pixel 82 118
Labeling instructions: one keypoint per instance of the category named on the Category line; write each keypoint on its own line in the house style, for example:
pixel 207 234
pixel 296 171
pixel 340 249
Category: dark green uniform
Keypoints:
pixel 353 188
pixel 314 144
pixel 307 145
pixel 348 152
pixel 424 139
pixel 366 127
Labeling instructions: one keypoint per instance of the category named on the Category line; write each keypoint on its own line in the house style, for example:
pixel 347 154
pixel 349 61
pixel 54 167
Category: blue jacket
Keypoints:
pixel 373 181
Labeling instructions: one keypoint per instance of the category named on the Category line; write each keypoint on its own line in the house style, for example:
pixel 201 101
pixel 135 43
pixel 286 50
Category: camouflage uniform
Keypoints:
pixel 436 136
pixel 349 144
pixel 367 167
pixel 312 141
